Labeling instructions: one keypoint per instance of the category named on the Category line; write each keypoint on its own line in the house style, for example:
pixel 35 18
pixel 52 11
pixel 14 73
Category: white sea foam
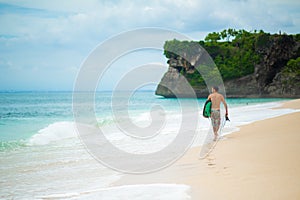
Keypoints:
pixel 132 192
pixel 248 114
pixel 241 115
pixel 54 132
pixel 63 167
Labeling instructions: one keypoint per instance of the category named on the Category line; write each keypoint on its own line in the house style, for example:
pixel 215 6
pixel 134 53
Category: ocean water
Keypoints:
pixel 41 156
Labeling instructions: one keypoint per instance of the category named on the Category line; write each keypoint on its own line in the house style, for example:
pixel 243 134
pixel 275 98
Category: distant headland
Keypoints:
pixel 252 64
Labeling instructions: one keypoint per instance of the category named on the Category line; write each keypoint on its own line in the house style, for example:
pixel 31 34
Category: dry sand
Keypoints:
pixel 261 161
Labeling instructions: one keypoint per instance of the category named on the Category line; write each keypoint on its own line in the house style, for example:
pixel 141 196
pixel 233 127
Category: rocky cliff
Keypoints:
pixel 275 74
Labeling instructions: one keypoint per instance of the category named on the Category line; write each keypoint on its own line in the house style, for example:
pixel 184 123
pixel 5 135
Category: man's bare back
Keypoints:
pixel 216 99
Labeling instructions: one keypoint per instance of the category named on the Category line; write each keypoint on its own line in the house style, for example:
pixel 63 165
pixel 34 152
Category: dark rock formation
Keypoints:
pixel 268 80
pixel 180 87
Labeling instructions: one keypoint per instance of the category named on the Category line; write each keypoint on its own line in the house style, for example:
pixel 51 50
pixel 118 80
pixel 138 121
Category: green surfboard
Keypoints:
pixel 207 109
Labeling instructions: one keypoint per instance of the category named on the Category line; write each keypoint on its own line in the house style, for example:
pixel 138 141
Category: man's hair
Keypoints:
pixel 216 88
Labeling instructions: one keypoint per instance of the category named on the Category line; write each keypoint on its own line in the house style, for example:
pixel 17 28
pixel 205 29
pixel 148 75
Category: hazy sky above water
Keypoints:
pixel 43 43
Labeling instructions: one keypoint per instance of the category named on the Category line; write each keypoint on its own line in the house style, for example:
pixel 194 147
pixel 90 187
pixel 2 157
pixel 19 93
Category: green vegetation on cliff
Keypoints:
pixel 235 52
pixel 291 72
pixel 252 64
pixel 234 58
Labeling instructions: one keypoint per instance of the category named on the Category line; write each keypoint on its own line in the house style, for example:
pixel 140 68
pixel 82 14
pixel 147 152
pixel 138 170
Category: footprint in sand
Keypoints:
pixel 210 161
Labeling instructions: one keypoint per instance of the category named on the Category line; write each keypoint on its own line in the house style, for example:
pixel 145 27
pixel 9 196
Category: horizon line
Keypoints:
pixel 3 91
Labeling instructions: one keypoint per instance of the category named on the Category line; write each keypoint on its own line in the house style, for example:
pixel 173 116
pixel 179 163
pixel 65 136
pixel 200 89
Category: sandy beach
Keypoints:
pixel 261 161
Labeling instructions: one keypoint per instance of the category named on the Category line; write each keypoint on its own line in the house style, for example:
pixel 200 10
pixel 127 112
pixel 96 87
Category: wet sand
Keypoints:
pixel 261 161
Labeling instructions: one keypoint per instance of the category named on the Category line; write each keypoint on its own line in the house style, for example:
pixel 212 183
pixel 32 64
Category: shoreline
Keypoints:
pixel 247 164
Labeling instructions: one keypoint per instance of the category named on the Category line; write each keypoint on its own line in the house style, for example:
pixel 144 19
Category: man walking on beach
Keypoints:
pixel 216 99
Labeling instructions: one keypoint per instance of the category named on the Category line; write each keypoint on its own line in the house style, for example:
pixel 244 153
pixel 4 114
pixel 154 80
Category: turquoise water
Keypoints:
pixel 40 149
pixel 23 114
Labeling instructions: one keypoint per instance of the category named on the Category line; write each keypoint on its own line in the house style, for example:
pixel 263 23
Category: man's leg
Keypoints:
pixel 215 119
pixel 216 133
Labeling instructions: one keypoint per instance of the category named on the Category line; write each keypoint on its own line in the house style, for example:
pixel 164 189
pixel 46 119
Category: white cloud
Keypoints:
pixel 102 18
pixel 60 33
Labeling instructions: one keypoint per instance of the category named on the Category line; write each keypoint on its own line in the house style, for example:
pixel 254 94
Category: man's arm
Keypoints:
pixel 225 104
pixel 209 97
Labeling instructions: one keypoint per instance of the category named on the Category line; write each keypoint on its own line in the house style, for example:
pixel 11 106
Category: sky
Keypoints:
pixel 44 43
